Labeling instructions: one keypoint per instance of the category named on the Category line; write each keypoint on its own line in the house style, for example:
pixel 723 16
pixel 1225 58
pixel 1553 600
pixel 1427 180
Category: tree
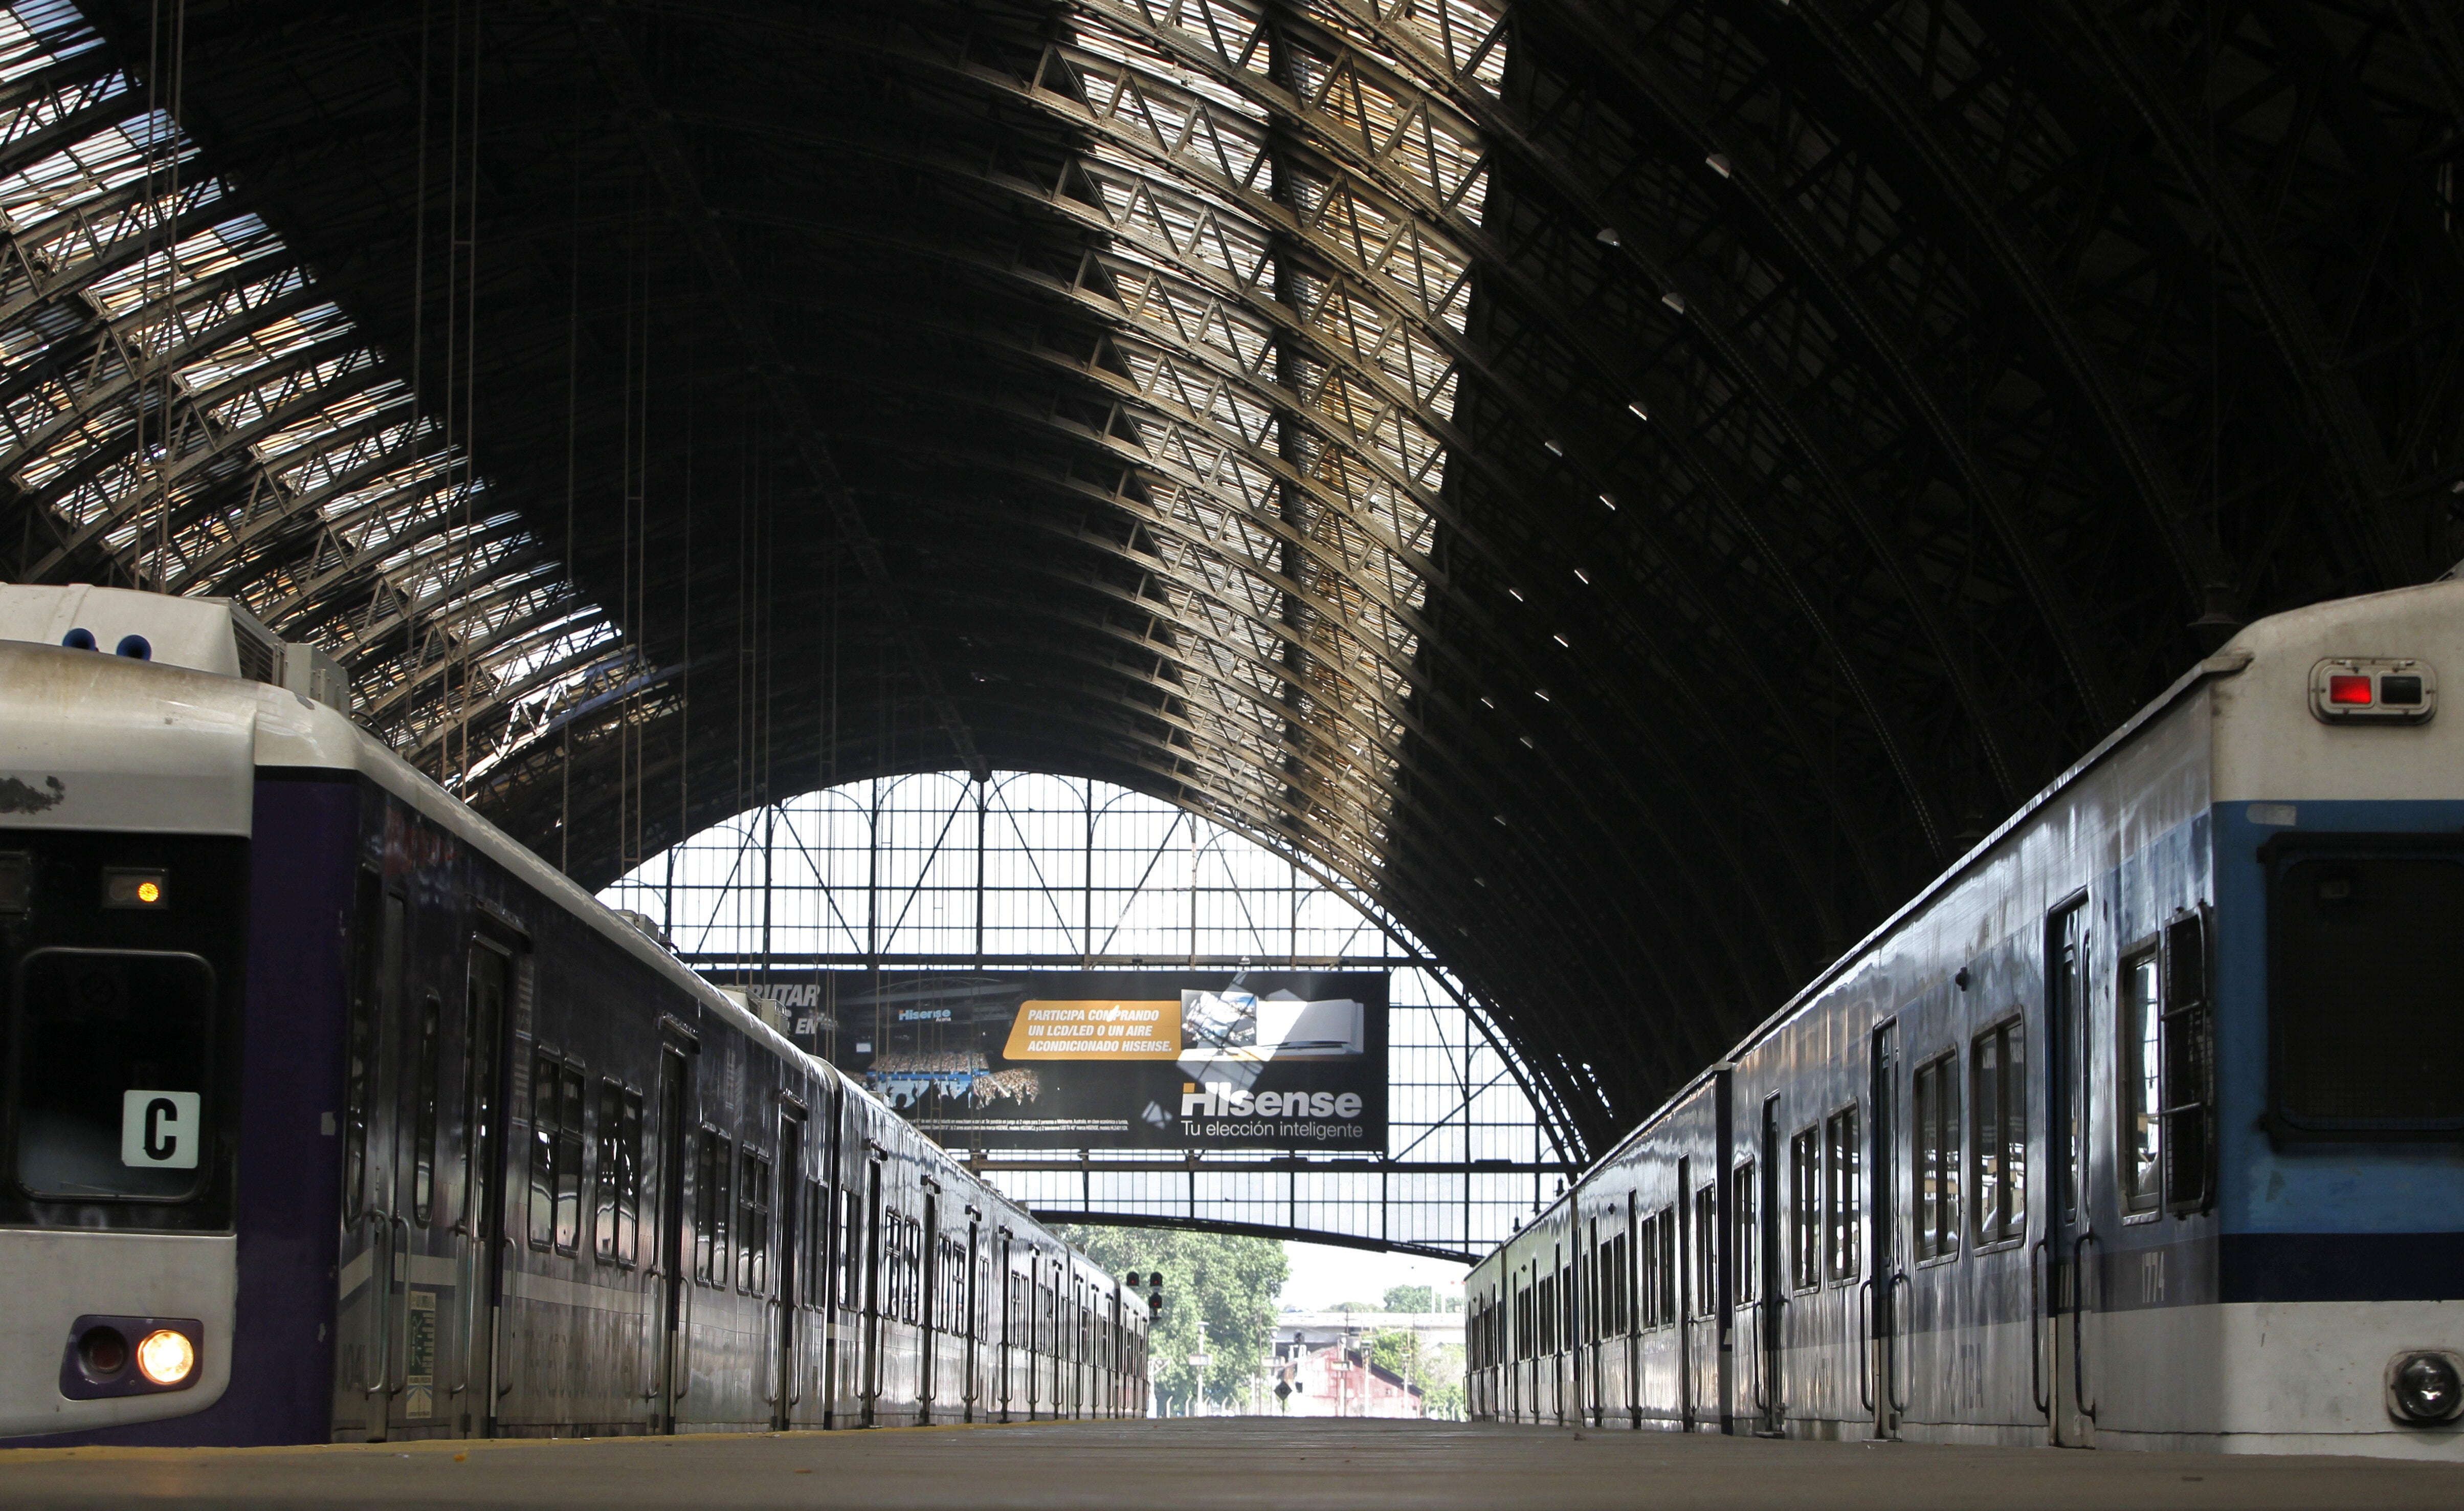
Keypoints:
pixel 1441 1382
pixel 1229 1281
pixel 1397 1350
pixel 1411 1298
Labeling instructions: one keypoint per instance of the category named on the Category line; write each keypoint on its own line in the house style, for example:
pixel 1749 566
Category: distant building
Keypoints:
pixel 1335 1379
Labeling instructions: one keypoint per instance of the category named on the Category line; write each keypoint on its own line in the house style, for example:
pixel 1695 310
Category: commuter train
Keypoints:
pixel 2143 1127
pixel 332 1113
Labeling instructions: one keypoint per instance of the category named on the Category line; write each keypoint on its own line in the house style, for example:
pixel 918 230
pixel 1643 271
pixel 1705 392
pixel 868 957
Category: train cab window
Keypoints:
pixel 2364 995
pixel 753 1223
pixel 423 1124
pixel 2139 1093
pixel 1997 1071
pixel 1843 1195
pixel 1745 1272
pixel 713 1162
pixel 113 1054
pixel 557 1124
pixel 1933 1108
pixel 1805 1208
pixel 617 1193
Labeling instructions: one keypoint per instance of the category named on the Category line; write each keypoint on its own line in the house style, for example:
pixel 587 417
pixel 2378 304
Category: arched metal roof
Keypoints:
pixel 1627 486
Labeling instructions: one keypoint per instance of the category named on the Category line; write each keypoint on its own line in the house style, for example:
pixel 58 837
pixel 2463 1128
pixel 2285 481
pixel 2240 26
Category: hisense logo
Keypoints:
pixel 1220 1099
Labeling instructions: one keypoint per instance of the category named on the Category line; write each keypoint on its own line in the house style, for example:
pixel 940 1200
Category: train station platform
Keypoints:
pixel 1233 1463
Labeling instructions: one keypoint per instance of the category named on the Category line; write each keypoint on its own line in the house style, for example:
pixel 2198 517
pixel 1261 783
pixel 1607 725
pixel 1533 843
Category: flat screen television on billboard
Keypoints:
pixel 1109 1060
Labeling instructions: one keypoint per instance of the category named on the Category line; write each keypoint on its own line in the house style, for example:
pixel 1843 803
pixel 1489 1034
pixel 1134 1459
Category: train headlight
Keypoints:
pixel 2426 1388
pixel 167 1358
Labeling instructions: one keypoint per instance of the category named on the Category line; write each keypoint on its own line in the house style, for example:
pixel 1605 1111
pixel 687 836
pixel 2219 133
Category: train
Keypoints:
pixel 2141 1126
pixel 334 1114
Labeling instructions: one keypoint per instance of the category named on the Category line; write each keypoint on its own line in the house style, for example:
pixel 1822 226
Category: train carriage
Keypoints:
pixel 2139 1127
pixel 332 1113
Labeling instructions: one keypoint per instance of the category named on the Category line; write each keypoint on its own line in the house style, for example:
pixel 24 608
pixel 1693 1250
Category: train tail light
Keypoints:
pixel 2373 690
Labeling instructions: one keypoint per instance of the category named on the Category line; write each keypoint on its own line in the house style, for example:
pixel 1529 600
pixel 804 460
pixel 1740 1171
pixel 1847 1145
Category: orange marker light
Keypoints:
pixel 136 889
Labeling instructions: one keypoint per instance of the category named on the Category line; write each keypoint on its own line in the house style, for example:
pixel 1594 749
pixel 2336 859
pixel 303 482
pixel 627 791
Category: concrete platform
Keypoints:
pixel 1196 1466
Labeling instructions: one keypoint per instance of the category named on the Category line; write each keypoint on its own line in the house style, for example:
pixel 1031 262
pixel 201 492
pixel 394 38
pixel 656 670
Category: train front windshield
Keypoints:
pixel 113 1066
pixel 118 1002
pixel 2367 988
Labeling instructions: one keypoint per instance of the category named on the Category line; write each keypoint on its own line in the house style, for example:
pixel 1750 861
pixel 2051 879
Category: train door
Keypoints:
pixel 975 1317
pixel 1008 1327
pixel 929 1334
pixel 1772 1362
pixel 869 1366
pixel 1682 1209
pixel 364 1325
pixel 1884 1277
pixel 668 1267
pixel 788 1283
pixel 478 1229
pixel 2069 1231
pixel 1630 1309
pixel 1587 1258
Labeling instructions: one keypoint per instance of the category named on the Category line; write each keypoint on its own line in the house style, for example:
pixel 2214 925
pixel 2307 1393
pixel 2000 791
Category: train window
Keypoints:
pixel 425 1110
pixel 483 1016
pixel 545 1101
pixel 1624 1270
pixel 616 1205
pixel 813 1270
pixel 571 1120
pixel 1934 1109
pixel 114 1053
pixel 602 1192
pixel 753 1223
pixel 715 1163
pixel 1998 1069
pixel 2140 1099
pixel 1843 1195
pixel 2363 993
pixel 1744 1273
pixel 1667 1264
pixel 1649 1234
pixel 360 1071
pixel 851 1251
pixel 1706 1251
pixel 1805 1208
pixel 423 1115
pixel 2189 1054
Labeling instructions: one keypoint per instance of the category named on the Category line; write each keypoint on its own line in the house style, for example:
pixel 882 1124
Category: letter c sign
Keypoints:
pixel 159 1129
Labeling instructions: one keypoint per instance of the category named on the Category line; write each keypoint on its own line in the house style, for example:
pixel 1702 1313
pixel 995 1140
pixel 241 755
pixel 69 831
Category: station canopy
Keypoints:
pixel 1631 488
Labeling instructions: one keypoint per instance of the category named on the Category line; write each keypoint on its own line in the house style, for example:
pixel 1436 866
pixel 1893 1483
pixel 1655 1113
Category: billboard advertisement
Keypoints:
pixel 997 1059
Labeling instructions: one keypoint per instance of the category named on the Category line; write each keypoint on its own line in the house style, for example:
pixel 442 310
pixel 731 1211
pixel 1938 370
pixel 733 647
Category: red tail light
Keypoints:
pixel 2348 690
